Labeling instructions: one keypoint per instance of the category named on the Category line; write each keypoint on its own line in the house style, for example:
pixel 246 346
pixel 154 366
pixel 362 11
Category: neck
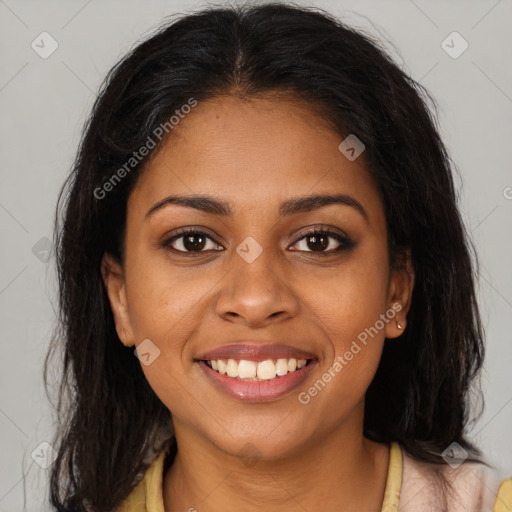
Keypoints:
pixel 342 472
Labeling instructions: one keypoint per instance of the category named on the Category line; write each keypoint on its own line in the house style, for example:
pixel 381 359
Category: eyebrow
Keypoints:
pixel 292 206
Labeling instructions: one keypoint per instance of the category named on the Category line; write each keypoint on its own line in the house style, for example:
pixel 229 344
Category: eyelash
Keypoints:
pixel 345 242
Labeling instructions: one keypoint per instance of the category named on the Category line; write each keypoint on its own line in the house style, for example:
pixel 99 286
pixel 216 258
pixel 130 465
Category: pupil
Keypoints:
pixel 189 244
pixel 322 240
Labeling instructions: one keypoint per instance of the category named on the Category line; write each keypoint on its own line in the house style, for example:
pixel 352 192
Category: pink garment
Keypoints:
pixel 475 485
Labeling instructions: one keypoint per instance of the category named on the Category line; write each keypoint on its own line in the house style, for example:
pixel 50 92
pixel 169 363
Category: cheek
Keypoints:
pixel 165 307
pixel 162 311
pixel 352 297
pixel 162 299
pixel 351 308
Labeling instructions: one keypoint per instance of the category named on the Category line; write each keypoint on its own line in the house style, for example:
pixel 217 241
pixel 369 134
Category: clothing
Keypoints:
pixel 408 487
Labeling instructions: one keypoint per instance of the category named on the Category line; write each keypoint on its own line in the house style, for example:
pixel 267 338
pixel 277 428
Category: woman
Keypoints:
pixel 263 213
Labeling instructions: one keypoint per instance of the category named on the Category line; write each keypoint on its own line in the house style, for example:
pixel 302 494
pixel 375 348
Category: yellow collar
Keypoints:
pixel 394 481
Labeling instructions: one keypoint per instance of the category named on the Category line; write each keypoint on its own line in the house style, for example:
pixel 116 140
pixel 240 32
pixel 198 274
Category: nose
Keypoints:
pixel 256 294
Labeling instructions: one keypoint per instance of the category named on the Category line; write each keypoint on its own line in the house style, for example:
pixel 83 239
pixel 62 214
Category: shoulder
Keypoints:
pixel 468 487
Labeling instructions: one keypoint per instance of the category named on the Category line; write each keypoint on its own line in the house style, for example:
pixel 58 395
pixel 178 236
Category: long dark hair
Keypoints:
pixel 110 420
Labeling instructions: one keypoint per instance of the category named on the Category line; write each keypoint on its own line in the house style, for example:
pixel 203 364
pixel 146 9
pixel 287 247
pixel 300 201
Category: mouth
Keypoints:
pixel 256 373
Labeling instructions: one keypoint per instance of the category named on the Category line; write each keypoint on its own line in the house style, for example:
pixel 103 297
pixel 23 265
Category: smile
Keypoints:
pixel 257 389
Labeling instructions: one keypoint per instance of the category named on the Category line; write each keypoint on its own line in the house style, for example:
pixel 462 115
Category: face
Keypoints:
pixel 257 275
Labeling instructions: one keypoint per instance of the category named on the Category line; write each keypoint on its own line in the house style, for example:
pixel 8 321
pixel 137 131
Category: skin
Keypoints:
pixel 255 155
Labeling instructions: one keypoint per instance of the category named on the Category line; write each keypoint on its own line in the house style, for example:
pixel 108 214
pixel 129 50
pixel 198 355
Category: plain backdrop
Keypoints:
pixel 44 102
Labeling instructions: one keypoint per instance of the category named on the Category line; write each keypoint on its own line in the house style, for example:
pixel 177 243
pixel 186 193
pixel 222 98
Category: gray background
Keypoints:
pixel 45 101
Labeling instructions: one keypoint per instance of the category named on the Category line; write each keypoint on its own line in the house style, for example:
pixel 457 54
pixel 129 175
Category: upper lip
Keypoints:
pixel 256 352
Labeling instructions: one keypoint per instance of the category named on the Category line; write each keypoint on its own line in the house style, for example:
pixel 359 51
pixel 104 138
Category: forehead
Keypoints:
pixel 249 151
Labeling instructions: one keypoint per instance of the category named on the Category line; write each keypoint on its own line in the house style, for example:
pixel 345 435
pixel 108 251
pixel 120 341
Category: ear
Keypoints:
pixel 400 293
pixel 113 279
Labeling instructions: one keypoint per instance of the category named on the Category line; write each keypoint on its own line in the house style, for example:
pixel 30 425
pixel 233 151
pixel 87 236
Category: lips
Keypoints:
pixel 256 352
pixel 271 387
pixel 262 391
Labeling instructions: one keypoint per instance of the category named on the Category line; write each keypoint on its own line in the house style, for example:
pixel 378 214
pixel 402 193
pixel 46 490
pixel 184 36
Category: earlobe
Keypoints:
pixel 113 280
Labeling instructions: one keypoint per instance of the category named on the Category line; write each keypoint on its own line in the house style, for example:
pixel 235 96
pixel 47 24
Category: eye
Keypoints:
pixel 191 241
pixel 319 241
pixel 323 241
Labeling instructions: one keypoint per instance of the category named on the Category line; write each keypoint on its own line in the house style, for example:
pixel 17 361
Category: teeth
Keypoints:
pixel 246 369
pixel 222 366
pixel 253 371
pixel 266 369
pixel 232 368
pixel 282 366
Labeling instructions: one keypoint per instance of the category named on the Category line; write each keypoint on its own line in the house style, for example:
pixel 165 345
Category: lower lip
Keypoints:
pixel 258 391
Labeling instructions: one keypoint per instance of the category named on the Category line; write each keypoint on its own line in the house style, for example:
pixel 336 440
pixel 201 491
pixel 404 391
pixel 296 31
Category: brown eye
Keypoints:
pixel 191 241
pixel 322 242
